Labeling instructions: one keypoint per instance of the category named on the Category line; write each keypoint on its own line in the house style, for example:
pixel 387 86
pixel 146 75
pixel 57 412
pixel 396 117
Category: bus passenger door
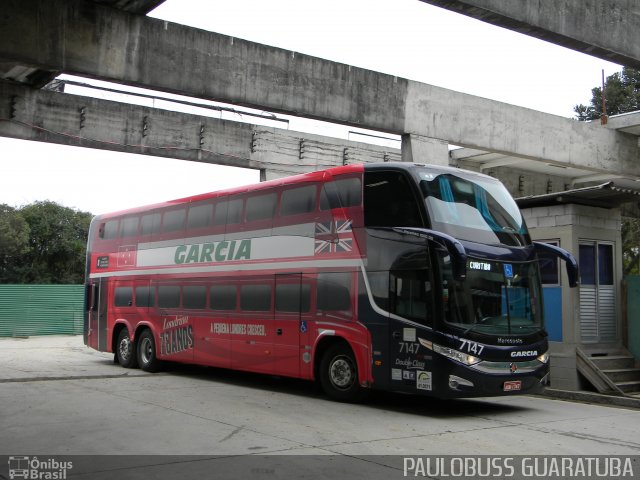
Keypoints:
pixel 97 313
pixel 292 303
pixel 93 308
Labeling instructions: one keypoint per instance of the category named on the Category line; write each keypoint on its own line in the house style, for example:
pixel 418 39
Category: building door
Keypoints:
pixel 597 292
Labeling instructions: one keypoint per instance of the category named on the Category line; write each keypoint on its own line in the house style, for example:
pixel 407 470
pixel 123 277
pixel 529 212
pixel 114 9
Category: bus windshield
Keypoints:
pixel 472 207
pixel 496 298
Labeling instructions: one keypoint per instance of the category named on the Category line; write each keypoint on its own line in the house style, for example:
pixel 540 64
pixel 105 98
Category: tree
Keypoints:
pixel 14 241
pixel 622 93
pixel 55 246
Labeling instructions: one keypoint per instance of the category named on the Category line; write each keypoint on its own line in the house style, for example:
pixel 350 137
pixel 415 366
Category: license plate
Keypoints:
pixel 512 386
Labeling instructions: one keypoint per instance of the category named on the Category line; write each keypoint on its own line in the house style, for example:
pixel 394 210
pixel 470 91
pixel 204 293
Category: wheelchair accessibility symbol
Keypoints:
pixel 508 270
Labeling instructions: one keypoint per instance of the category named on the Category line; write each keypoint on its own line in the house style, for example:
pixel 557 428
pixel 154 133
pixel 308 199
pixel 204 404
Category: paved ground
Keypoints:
pixel 58 397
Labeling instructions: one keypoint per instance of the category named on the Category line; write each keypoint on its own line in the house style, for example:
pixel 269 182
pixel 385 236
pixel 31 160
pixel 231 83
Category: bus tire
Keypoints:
pixel 147 358
pixel 339 374
pixel 125 350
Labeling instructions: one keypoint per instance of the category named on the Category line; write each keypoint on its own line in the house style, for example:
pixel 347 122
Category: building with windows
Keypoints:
pixel 586 325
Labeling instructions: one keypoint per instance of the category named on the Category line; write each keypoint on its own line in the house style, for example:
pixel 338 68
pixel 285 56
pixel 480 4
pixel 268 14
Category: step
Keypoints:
pixel 611 362
pixel 629 387
pixel 623 374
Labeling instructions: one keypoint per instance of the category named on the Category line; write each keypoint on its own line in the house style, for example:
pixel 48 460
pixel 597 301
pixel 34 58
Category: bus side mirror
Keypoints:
pixel 455 249
pixel 572 265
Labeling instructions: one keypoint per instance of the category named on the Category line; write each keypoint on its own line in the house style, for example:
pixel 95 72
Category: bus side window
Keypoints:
pixel 261 207
pixel 168 296
pixel 234 211
pixel 255 298
pixel 123 297
pixel 194 296
pixel 110 229
pixel 349 191
pixel 129 227
pixel 389 201
pixel 293 297
pixel 223 297
pixel 411 295
pixel 150 223
pixel 329 196
pixel 296 201
pixel 173 220
pixel 144 297
pixel 200 216
pixel 333 292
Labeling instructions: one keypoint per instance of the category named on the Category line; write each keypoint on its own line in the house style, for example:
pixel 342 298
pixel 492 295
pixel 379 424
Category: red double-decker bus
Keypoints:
pixel 393 276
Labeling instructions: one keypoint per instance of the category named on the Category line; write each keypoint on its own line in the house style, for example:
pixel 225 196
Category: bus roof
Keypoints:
pixel 317 176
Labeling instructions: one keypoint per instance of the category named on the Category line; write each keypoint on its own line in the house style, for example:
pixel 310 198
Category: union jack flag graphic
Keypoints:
pixel 333 237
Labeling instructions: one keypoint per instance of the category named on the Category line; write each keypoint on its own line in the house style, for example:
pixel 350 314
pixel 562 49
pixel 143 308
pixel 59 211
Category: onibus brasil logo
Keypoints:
pixel 34 468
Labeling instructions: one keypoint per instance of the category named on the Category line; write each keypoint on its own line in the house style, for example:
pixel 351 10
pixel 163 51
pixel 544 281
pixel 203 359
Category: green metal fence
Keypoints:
pixel 633 314
pixel 28 310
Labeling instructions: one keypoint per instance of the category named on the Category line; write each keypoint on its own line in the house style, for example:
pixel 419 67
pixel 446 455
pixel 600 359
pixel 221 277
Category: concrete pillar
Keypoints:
pixel 419 149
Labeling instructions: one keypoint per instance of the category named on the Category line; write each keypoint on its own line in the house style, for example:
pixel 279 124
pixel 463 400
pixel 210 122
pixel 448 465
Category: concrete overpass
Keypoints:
pixel 93 40
pixel 606 29
pixel 112 40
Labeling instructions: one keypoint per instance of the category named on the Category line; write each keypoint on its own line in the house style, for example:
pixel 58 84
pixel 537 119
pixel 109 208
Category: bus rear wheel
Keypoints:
pixel 147 352
pixel 339 374
pixel 125 350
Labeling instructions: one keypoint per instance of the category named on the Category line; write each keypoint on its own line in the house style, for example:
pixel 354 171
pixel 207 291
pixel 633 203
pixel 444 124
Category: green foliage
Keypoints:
pixel 14 241
pixel 631 246
pixel 46 244
pixel 622 93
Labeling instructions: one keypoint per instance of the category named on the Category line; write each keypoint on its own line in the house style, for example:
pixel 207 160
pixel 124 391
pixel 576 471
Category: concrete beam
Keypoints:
pixel 90 40
pixel 53 117
pixel 605 29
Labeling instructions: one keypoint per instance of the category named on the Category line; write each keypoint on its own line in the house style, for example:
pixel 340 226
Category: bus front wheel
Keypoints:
pixel 147 352
pixel 125 350
pixel 339 374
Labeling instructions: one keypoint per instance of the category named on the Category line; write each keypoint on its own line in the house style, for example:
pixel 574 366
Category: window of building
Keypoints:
pixel 255 298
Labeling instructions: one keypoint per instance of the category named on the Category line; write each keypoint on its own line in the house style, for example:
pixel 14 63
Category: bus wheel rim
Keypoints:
pixel 125 348
pixel 341 373
pixel 146 350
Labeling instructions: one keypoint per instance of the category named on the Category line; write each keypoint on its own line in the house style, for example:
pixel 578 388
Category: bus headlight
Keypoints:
pixel 544 358
pixel 461 357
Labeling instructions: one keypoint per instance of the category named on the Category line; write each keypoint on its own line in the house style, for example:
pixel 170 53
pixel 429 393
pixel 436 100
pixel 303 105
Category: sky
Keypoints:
pixel 406 38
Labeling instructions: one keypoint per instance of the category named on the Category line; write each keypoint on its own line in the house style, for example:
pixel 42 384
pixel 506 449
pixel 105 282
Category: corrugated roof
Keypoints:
pixel 606 195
